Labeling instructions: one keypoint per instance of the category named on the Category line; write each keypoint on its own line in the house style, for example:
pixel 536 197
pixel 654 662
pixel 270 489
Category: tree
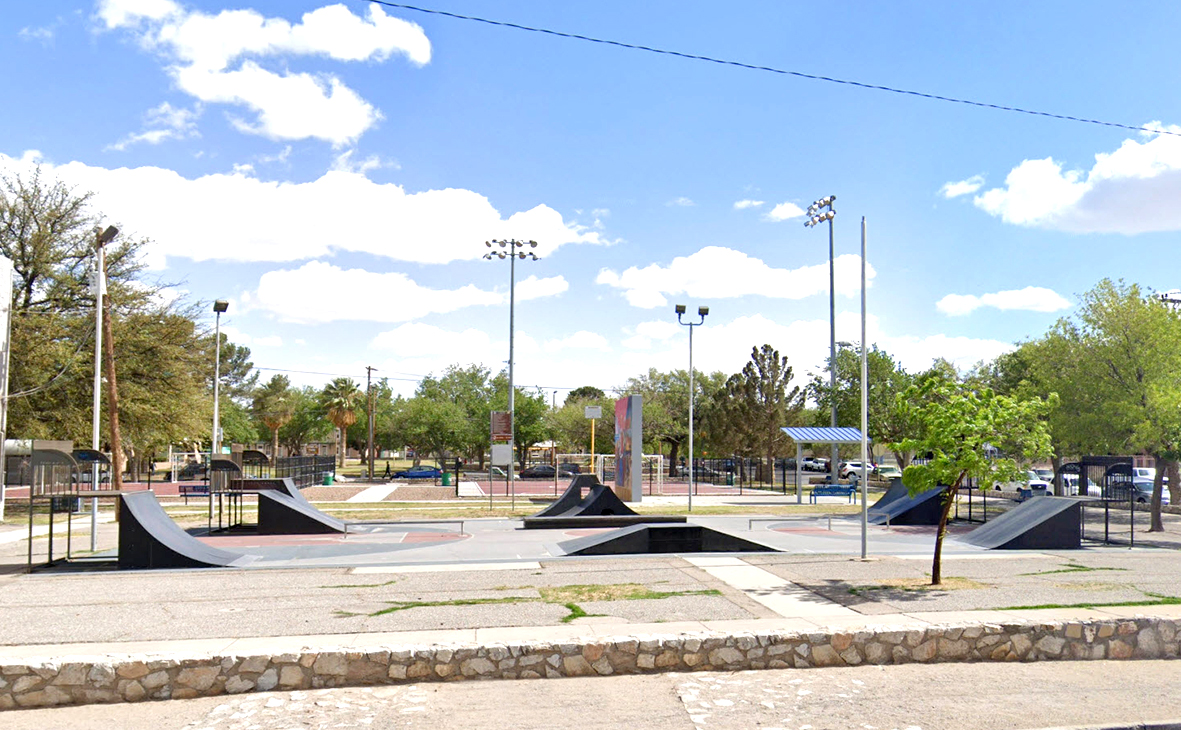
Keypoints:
pixel 341 399
pixel 274 406
pixel 961 430
pixel 429 426
pixel 470 388
pixel 759 402
pixel 885 380
pixel 307 422
pixel 666 408
pixel 585 393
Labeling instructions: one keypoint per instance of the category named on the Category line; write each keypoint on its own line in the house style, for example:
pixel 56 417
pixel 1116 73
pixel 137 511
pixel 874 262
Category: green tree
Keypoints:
pixel 340 400
pixel 470 388
pixel 760 401
pixel 274 407
pixel 307 424
pixel 885 380
pixel 961 430
pixel 666 409
pixel 429 426
pixel 585 393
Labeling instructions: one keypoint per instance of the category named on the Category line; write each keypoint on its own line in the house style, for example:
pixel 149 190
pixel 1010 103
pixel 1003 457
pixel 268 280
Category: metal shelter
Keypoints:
pixel 820 435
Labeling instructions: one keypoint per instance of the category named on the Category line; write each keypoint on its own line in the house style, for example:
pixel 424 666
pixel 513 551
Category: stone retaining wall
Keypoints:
pixel 131 678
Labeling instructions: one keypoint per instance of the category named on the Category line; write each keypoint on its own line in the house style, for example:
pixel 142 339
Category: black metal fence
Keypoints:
pixel 305 471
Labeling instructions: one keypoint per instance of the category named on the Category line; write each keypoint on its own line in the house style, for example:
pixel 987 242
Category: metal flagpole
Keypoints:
pixel 864 411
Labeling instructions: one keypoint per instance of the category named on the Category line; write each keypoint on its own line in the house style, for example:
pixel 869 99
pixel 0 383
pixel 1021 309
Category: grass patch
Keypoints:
pixel 1155 599
pixel 920 584
pixel 563 595
pixel 616 592
pixel 1071 568
pixel 389 582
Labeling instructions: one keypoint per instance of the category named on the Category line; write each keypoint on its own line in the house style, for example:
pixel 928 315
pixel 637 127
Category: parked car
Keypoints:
pixel 1045 474
pixel 889 472
pixel 1144 491
pixel 419 472
pixel 191 472
pixel 848 467
pixel 546 471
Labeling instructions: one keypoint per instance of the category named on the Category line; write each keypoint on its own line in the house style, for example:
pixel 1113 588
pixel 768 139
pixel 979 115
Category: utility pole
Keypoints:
pixel 369 392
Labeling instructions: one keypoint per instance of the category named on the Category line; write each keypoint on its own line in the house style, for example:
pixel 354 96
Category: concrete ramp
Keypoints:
pixel 896 491
pixel 149 538
pixel 1041 523
pixel 280 513
pixel 570 498
pixel 924 508
pixel 649 539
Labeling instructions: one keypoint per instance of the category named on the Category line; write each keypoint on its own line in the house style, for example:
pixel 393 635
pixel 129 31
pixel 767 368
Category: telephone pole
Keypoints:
pixel 369 392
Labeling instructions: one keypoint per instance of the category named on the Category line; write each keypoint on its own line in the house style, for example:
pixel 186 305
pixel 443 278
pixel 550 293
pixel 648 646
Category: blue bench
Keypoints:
pixel 832 490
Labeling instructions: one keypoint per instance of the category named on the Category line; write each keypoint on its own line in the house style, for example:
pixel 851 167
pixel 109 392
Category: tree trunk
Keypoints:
pixel 117 459
pixel 1056 463
pixel 1157 490
pixel 948 500
pixel 274 446
pixel 340 446
pixel 902 458
pixel 673 447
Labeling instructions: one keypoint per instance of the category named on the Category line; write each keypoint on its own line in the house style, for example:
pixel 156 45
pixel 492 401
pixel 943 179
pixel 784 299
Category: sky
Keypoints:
pixel 334 169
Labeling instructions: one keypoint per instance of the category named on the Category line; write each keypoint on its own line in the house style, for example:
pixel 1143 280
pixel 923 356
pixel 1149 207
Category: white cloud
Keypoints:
pixel 42 35
pixel 418 339
pixel 261 220
pixel 201 50
pixel 1131 190
pixel 1029 299
pixel 716 272
pixel 163 122
pixel 644 333
pixel 784 211
pixel 963 187
pixel 681 202
pixel 345 162
pixel 534 288
pixel 744 204
pixel 580 340
pixel 312 293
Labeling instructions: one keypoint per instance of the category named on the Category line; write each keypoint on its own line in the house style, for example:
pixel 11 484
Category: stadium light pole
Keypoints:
pixel 815 216
pixel 511 249
pixel 701 311
pixel 100 287
pixel 219 306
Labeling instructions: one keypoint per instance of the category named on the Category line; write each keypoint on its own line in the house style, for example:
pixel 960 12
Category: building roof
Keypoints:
pixel 825 435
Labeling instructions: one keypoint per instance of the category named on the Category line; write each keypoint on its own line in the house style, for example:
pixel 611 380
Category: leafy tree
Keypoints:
pixel 274 407
pixel 340 400
pixel 960 430
pixel 572 429
pixel 307 422
pixel 471 389
pixel 429 426
pixel 585 393
pixel 760 401
pixel 885 380
pixel 666 408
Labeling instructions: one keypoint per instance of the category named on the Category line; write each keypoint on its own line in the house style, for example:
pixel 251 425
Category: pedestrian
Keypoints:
pixel 387 474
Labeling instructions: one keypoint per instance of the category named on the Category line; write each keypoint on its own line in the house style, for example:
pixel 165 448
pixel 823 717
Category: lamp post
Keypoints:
pixel 701 311
pixel 219 306
pixel 511 249
pixel 815 216
pixel 369 406
pixel 100 288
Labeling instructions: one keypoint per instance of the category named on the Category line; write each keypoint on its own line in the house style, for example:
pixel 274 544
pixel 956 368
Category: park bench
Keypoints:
pixel 832 490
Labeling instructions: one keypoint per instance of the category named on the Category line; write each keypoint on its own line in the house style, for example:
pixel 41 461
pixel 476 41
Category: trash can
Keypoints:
pixel 329 479
pixel 730 480
pixel 446 479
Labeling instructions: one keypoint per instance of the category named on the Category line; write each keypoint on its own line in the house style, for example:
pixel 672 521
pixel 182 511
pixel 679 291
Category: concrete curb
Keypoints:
pixel 129 677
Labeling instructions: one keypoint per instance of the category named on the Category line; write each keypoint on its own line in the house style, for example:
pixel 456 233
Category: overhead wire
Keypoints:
pixel 780 71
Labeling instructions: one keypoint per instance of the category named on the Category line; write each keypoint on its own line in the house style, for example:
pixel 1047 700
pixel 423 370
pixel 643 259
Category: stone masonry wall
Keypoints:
pixel 132 678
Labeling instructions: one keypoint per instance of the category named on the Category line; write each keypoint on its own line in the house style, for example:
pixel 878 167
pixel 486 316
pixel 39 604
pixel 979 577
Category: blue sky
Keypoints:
pixel 334 169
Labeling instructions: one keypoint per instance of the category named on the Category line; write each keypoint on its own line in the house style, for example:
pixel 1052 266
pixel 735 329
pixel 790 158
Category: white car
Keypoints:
pixel 854 466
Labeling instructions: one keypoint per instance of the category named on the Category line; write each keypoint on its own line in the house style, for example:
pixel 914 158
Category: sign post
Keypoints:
pixel 593 412
pixel 502 431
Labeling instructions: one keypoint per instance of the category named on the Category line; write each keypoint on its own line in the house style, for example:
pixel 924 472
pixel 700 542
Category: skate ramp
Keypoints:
pixel 924 508
pixel 1040 523
pixel 571 497
pixel 149 538
pixel 896 491
pixel 650 539
pixel 280 513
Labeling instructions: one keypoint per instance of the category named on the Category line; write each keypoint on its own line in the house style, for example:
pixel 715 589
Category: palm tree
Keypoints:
pixel 273 405
pixel 341 399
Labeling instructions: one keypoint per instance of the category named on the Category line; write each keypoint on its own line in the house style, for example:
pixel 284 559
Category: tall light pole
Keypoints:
pixel 369 407
pixel 221 305
pixel 701 311
pixel 100 288
pixel 815 216
pixel 511 249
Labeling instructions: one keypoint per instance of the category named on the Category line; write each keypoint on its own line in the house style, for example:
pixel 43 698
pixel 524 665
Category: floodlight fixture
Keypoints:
pixel 220 306
pixel 703 311
pixel 680 308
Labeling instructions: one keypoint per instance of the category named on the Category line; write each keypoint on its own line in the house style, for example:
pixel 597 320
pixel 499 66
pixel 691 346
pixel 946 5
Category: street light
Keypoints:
pixel 219 306
pixel 101 239
pixel 510 250
pixel 701 311
pixel 815 216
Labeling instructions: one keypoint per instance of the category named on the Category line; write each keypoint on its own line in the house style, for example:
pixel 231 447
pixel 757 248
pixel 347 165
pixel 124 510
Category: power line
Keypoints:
pixel 772 69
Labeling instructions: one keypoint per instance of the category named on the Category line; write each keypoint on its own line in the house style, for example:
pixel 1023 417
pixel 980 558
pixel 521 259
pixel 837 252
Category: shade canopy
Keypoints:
pixel 823 435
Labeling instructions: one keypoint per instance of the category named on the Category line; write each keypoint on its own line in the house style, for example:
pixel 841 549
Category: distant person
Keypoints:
pixel 388 474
